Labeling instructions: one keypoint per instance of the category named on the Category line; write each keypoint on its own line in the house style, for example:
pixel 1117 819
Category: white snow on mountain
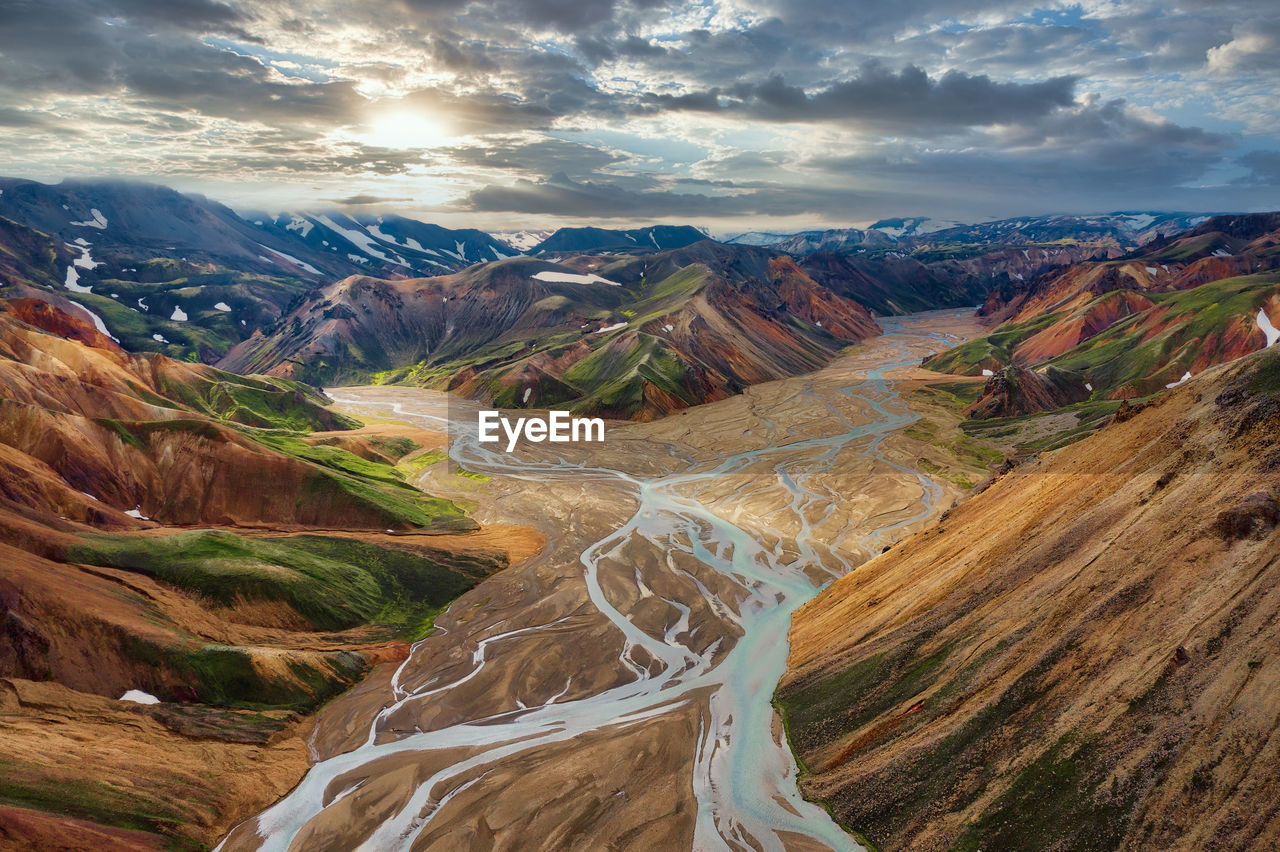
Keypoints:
pixel 98 221
pixel 572 278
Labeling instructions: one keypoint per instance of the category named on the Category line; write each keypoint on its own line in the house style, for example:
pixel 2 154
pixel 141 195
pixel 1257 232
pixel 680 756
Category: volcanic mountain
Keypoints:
pixel 911 233
pixel 1127 327
pixel 634 241
pixel 1082 656
pixel 620 336
pixel 222 549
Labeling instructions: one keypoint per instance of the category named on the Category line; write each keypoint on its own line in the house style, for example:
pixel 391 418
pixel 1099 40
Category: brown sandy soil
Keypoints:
pixel 1082 656
pixel 628 786
pixel 111 761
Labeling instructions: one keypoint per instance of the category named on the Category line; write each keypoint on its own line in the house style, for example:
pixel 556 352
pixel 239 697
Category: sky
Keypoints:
pixel 777 115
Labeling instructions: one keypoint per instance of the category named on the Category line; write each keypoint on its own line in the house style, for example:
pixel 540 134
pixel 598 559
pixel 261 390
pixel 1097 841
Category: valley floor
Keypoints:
pixel 615 690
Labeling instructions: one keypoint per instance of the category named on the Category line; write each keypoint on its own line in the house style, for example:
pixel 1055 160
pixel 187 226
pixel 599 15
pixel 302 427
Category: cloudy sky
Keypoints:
pixel 772 115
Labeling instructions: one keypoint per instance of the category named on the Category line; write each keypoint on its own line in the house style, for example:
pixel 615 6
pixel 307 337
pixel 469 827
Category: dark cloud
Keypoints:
pixel 877 96
pixel 540 157
pixel 561 196
pixel 1264 168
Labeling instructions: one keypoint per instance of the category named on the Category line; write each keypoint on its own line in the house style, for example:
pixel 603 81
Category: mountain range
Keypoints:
pixel 633 337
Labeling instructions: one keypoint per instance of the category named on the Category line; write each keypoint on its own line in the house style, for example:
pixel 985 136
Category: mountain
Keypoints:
pixel 1082 656
pixel 899 283
pixel 193 561
pixel 834 240
pixel 626 337
pixel 1127 327
pixel 179 274
pixel 921 232
pixel 637 240
pixel 388 245
pixel 523 241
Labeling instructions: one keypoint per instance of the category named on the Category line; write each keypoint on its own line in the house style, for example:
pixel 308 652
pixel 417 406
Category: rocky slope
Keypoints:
pixel 634 241
pixel 223 548
pixel 1128 327
pixel 898 282
pixel 629 337
pixel 1082 656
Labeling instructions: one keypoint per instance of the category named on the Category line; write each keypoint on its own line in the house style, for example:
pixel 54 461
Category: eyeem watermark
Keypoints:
pixel 558 427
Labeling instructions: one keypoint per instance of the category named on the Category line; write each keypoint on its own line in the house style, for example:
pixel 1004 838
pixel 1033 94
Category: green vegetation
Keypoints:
pixel 332 582
pixel 616 378
pixel 827 707
pixel 990 352
pixel 378 486
pixel 1058 800
pixel 165 283
pixel 951 476
pixel 29 785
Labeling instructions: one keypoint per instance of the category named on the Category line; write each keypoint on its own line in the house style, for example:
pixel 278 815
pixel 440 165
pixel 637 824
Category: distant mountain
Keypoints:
pixel 163 271
pixel 1125 229
pixel 629 337
pixel 1130 326
pixel 524 240
pixel 637 240
pixel 923 233
pixel 389 245
pixel 899 283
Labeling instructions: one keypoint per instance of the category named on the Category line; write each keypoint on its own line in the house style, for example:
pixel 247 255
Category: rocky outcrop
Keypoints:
pixel 1015 391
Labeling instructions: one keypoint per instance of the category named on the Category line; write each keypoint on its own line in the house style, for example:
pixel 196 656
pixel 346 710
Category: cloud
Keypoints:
pixel 908 101
pixel 1264 168
pixel 363 200
pixel 580 109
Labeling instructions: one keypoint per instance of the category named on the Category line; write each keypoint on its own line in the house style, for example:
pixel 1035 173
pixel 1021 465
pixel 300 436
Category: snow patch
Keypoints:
pixel 1151 270
pixel 73 277
pixel 97 321
pixel 1185 376
pixel 159 338
pixel 987 373
pixel 98 221
pixel 614 327
pixel 137 696
pixel 300 225
pixel 364 241
pixel 1264 323
pixel 222 306
pixel 1088 386
pixel 668 327
pixel 178 315
pixel 293 260
pixel 572 278
pixel 1221 253
pixel 527 393
pixel 137 513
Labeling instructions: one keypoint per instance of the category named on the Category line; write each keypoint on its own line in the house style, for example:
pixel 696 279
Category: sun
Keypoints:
pixel 405 131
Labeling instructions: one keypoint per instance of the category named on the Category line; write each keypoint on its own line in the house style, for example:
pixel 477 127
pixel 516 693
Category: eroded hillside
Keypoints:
pixel 221 550
pixel 1082 656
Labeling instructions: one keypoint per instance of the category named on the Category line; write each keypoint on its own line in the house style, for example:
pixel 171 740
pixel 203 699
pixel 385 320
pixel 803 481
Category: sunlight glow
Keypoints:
pixel 405 131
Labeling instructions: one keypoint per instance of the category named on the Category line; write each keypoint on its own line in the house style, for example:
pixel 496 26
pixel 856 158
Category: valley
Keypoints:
pixel 616 688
